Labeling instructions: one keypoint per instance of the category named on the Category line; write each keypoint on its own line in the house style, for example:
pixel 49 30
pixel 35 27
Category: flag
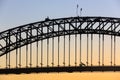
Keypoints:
pixel 80 9
pixel 77 5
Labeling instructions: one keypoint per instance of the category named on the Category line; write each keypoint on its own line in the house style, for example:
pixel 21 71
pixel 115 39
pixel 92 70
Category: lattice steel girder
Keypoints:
pixel 57 27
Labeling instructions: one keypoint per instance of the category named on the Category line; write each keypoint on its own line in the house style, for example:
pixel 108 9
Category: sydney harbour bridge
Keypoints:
pixel 73 44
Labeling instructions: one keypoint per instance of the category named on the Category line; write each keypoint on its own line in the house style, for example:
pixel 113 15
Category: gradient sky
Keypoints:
pixel 18 12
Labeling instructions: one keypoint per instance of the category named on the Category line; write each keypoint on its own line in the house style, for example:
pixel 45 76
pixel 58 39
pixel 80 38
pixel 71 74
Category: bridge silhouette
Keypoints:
pixel 72 44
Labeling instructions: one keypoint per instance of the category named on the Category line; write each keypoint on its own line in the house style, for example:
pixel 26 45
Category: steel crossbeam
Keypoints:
pixel 41 27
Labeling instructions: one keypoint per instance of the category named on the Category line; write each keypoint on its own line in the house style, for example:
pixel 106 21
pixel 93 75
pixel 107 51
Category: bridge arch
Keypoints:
pixel 25 35
pixel 19 36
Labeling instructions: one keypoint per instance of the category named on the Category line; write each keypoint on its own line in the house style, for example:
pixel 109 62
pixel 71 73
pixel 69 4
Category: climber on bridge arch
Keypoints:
pixel 47 19
pixel 82 64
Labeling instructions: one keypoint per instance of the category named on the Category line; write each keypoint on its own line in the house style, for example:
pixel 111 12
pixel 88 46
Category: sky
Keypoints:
pixel 14 13
pixel 18 12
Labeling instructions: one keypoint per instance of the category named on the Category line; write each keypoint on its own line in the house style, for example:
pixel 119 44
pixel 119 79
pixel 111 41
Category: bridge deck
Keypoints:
pixel 59 69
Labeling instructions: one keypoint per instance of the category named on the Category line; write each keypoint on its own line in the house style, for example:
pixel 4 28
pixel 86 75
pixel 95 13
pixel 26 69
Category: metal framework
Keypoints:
pixel 15 38
pixel 45 29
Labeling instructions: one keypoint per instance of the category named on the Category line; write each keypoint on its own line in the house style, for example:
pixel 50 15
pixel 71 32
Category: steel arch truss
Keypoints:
pixel 19 36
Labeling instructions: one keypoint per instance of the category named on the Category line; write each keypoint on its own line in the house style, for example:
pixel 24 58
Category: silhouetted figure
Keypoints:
pixel 82 64
pixel 47 19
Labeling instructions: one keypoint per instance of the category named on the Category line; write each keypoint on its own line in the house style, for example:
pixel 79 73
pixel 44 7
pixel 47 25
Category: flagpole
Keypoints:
pixel 77 10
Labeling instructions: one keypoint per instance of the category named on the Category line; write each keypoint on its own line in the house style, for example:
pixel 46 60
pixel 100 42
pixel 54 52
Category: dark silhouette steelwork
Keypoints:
pixel 38 26
pixel 60 69
pixel 50 28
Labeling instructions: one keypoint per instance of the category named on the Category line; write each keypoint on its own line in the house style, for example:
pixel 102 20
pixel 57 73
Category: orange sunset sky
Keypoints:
pixel 64 76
